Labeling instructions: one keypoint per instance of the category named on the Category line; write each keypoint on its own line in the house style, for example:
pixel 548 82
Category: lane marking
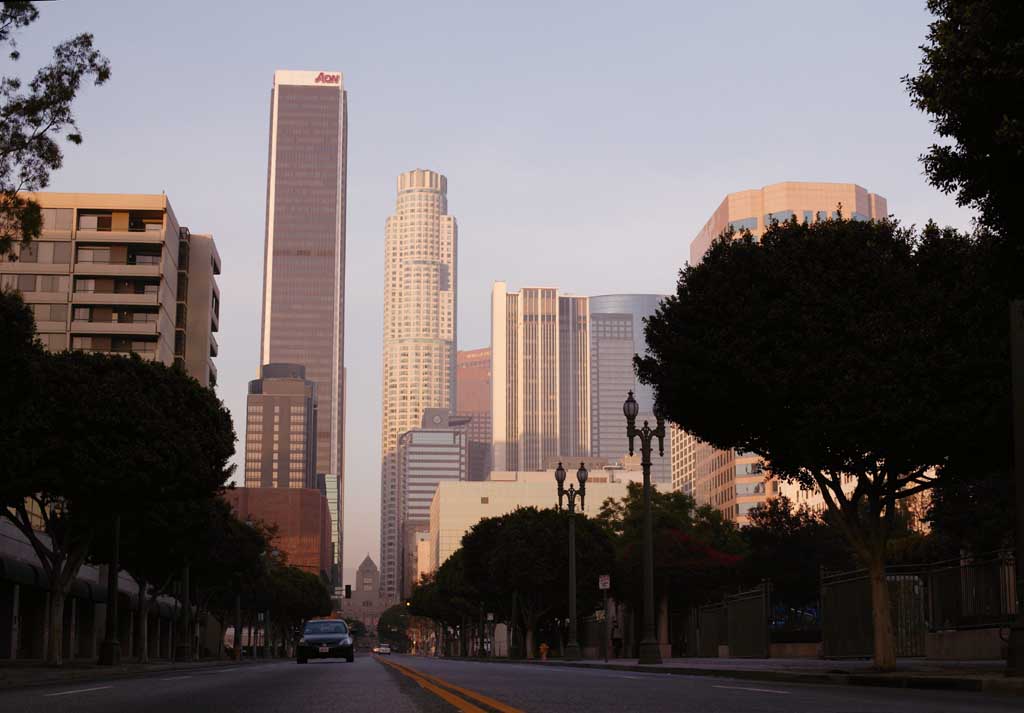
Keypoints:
pixel 79 690
pixel 460 704
pixel 757 690
pixel 174 678
pixel 478 697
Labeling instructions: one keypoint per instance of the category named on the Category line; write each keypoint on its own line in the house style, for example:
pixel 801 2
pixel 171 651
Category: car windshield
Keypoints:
pixel 325 627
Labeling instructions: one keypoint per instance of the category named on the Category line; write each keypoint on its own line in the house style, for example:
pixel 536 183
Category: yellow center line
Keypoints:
pixel 478 697
pixel 462 705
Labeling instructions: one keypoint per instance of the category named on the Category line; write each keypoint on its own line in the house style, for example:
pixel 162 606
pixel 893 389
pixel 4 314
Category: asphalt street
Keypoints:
pixel 403 684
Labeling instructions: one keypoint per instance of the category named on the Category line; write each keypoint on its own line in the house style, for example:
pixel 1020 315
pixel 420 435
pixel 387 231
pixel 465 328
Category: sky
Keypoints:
pixel 585 143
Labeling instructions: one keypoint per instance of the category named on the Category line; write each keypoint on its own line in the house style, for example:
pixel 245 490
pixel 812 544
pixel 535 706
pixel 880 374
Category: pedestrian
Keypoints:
pixel 616 639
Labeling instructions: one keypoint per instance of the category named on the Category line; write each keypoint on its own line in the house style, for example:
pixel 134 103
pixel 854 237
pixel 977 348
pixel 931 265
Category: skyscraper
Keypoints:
pixel 616 334
pixel 540 377
pixel 304 259
pixel 280 429
pixel 420 289
pixel 433 453
pixel 473 387
pixel 733 481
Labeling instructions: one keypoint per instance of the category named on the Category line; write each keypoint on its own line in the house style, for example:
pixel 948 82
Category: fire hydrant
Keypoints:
pixel 544 648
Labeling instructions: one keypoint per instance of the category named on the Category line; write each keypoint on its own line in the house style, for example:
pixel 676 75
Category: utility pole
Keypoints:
pixel 1015 653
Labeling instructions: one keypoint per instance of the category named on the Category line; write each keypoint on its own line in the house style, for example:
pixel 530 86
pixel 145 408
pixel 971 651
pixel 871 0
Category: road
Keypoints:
pixel 403 684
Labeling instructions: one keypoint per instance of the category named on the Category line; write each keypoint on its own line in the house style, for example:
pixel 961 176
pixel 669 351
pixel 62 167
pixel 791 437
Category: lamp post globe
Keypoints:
pixel 560 474
pixel 630 408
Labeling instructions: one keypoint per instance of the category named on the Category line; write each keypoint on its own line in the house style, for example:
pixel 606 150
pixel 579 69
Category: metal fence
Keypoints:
pixel 975 593
pixel 747 621
pixel 957 594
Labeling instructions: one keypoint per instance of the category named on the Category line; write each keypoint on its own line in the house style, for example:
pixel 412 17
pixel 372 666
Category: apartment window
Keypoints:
pixel 91 254
pixel 780 216
pixel 56 218
pixel 743 223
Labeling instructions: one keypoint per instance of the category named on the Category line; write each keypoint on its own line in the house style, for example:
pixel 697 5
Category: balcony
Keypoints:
pixel 116 298
pixel 81 326
pixel 214 348
pixel 117 269
pixel 149 237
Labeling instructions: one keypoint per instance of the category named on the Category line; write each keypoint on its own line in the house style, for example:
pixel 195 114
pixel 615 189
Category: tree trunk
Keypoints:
pixel 143 623
pixel 529 640
pixel 55 637
pixel 881 614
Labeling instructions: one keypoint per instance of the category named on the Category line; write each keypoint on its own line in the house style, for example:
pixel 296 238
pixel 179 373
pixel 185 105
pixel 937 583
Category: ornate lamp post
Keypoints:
pixel 649 651
pixel 572 651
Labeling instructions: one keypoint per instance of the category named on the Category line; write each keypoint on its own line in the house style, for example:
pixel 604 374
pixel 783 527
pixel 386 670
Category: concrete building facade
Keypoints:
pixel 112 273
pixel 616 335
pixel 540 377
pixel 473 400
pixel 420 300
pixel 302 519
pixel 280 429
pixel 367 603
pixel 457 506
pixel 735 482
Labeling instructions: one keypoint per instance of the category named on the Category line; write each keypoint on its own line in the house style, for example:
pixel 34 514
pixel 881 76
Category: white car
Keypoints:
pixel 384 649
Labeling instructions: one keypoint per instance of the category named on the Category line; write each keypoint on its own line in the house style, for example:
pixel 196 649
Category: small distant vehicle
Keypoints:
pixel 325 639
pixel 376 649
pixel 384 649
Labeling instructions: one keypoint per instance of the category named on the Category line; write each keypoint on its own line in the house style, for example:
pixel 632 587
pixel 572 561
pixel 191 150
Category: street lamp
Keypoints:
pixel 572 651
pixel 649 651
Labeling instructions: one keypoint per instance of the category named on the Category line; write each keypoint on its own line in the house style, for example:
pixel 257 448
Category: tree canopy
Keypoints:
pixel 33 115
pixel 846 344
pixel 970 82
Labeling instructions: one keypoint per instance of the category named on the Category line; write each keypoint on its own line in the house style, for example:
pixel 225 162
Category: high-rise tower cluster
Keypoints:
pixel 295 411
pixel 420 279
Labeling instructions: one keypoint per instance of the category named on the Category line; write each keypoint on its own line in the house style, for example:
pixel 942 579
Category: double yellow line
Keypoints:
pixel 457 696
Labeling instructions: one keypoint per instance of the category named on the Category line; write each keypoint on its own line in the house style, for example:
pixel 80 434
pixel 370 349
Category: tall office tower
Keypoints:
pixel 420 282
pixel 683 448
pixel 473 389
pixel 433 453
pixel 616 335
pixel 280 429
pixel 733 481
pixel 304 255
pixel 113 273
pixel 540 377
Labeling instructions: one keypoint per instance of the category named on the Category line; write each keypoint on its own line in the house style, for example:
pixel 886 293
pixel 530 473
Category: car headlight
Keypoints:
pixel 302 642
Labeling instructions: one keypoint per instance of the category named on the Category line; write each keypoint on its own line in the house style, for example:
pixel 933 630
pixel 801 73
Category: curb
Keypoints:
pixel 97 674
pixel 1003 686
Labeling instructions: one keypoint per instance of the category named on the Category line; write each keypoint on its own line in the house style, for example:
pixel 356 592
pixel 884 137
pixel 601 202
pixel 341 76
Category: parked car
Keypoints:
pixel 325 638
pixel 384 649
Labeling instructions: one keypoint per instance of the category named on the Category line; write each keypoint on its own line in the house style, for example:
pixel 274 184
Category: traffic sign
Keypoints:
pixel 604 581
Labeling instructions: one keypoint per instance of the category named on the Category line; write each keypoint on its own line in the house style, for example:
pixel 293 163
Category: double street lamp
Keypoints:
pixel 649 650
pixel 572 651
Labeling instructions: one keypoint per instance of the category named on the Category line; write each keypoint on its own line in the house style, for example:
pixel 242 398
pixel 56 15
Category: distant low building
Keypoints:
pixel 457 506
pixel 367 602
pixel 302 519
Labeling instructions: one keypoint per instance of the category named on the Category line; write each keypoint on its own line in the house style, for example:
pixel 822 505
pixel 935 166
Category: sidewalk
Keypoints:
pixel 35 673
pixel 977 676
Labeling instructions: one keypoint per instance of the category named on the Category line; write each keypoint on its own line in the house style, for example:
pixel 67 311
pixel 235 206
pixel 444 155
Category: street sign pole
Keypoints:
pixel 1015 653
pixel 604 583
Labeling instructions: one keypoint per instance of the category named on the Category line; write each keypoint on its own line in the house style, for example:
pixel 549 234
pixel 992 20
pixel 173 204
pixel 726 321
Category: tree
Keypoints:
pixel 970 82
pixel 790 547
pixel 524 554
pixel 696 550
pixel 32 116
pixel 392 627
pixel 849 357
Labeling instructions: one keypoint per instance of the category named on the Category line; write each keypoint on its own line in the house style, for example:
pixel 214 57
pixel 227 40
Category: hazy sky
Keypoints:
pixel 585 143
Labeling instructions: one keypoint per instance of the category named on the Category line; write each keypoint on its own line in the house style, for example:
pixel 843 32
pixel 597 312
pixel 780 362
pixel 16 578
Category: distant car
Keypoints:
pixel 324 639
pixel 376 649
pixel 384 649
